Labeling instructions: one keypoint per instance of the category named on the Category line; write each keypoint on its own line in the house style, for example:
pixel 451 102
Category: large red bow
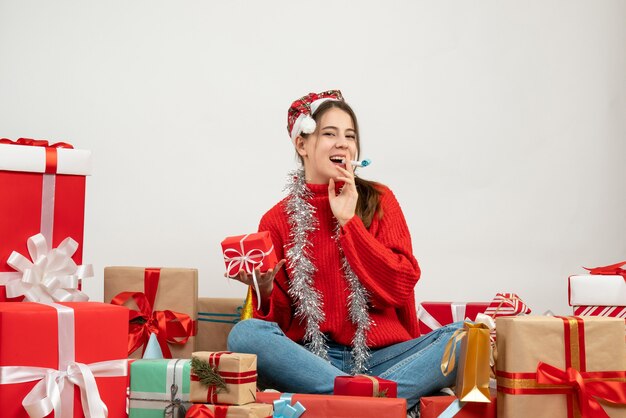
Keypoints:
pixel 615 269
pixel 586 390
pixel 35 143
pixel 168 326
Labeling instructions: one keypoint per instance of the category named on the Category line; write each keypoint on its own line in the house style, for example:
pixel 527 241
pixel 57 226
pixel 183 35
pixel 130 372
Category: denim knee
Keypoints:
pixel 244 334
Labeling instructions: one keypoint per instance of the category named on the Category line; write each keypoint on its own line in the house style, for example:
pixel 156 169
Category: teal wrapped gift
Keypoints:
pixel 159 387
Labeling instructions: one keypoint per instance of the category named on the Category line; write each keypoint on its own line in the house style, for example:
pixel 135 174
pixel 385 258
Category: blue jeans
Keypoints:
pixel 289 367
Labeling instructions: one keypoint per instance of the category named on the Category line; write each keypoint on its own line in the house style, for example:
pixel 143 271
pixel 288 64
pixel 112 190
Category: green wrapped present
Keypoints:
pixel 159 388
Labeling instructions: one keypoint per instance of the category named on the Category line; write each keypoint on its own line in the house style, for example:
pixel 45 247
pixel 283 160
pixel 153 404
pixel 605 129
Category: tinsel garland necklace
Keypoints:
pixel 308 301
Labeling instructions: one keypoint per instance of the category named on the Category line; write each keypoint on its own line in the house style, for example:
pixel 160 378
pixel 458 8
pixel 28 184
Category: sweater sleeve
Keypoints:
pixel 278 308
pixel 383 258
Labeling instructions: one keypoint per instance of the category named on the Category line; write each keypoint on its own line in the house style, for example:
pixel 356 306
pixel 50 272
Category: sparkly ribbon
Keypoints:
pixel 613 269
pixel 52 276
pixel 456 308
pixel 54 390
pixel 574 382
pixel 169 326
pixel 284 409
pixel 247 262
pixel 229 378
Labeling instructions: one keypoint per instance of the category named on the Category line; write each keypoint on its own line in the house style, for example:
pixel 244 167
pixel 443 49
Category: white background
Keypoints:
pixel 499 125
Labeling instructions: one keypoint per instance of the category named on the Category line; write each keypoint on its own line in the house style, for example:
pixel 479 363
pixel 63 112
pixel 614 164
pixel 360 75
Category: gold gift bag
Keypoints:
pixel 472 376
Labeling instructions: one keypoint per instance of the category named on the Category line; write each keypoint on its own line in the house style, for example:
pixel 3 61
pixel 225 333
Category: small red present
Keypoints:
pixel 337 406
pixel 363 385
pixel 434 406
pixel 433 315
pixel 247 252
pixel 42 190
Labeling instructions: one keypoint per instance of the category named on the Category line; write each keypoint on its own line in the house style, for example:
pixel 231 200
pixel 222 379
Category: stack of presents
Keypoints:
pixel 155 349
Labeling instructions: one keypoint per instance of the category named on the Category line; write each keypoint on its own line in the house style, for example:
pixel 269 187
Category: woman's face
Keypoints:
pixel 334 140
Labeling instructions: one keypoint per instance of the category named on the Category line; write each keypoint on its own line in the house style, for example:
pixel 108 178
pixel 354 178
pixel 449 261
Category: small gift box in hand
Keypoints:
pixel 249 252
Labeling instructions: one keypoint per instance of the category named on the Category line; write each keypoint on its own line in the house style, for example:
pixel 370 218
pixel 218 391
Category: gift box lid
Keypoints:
pixel 597 290
pixel 32 159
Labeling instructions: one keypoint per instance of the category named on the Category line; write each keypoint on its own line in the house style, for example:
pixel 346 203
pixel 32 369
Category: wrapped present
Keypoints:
pixel 63 358
pixel 604 286
pixel 163 302
pixel 43 191
pixel 506 304
pixel 251 410
pixel 561 367
pixel 450 406
pixel 216 317
pixel 610 311
pixel 223 378
pixel 249 252
pixel 433 315
pixel 337 406
pixel 364 385
pixel 159 388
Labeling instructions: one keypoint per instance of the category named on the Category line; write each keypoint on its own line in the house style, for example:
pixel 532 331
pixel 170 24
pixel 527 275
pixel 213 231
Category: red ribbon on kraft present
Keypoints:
pixel 613 269
pixel 575 381
pixel 168 326
pixel 200 411
pixel 229 378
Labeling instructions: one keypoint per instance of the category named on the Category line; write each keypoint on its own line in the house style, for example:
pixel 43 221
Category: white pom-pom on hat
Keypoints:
pixel 308 125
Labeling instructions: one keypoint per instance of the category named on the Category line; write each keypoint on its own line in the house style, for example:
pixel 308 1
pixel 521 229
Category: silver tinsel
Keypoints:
pixel 309 304
pixel 359 314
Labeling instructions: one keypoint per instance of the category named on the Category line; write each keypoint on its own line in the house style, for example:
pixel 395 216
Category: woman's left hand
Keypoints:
pixel 343 204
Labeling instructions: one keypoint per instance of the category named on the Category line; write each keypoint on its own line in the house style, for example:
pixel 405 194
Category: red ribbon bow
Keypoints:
pixel 201 411
pixel 586 391
pixel 35 143
pixel 615 269
pixel 169 327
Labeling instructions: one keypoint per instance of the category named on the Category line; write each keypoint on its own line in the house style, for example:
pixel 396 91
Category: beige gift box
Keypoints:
pixel 177 291
pixel 251 410
pixel 238 372
pixel 588 344
pixel 216 317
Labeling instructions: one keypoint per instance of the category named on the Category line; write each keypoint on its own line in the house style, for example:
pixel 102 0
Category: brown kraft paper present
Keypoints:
pixel 550 367
pixel 223 378
pixel 216 317
pixel 173 289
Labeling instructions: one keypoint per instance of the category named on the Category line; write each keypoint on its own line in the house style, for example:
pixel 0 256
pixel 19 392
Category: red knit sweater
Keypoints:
pixel 381 257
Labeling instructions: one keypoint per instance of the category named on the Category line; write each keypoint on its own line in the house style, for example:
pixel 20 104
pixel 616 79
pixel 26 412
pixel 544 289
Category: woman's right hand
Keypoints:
pixel 265 280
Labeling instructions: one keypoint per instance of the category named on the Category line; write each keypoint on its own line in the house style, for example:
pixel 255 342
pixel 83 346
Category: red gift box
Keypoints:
pixel 434 406
pixel 337 406
pixel 433 315
pixel 42 189
pixel 82 339
pixel 362 385
pixel 247 252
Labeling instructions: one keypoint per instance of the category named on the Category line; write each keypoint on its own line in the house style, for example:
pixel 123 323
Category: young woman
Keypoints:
pixel 343 303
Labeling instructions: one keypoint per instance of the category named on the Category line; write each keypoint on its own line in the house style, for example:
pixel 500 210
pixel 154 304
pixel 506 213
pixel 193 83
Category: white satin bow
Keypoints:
pixel 51 276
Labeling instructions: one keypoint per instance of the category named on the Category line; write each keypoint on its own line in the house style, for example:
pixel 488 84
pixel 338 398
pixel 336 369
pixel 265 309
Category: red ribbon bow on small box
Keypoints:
pixel 613 269
pixel 168 326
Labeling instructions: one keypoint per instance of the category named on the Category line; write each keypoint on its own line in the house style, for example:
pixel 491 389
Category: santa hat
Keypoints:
pixel 299 118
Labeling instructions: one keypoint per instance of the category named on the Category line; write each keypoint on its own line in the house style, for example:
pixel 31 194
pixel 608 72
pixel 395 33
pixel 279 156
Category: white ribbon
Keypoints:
pixel 54 390
pixel 456 308
pixel 248 262
pixel 51 276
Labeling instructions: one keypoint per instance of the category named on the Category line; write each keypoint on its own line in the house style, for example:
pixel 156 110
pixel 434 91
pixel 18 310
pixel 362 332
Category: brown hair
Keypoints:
pixel 369 195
